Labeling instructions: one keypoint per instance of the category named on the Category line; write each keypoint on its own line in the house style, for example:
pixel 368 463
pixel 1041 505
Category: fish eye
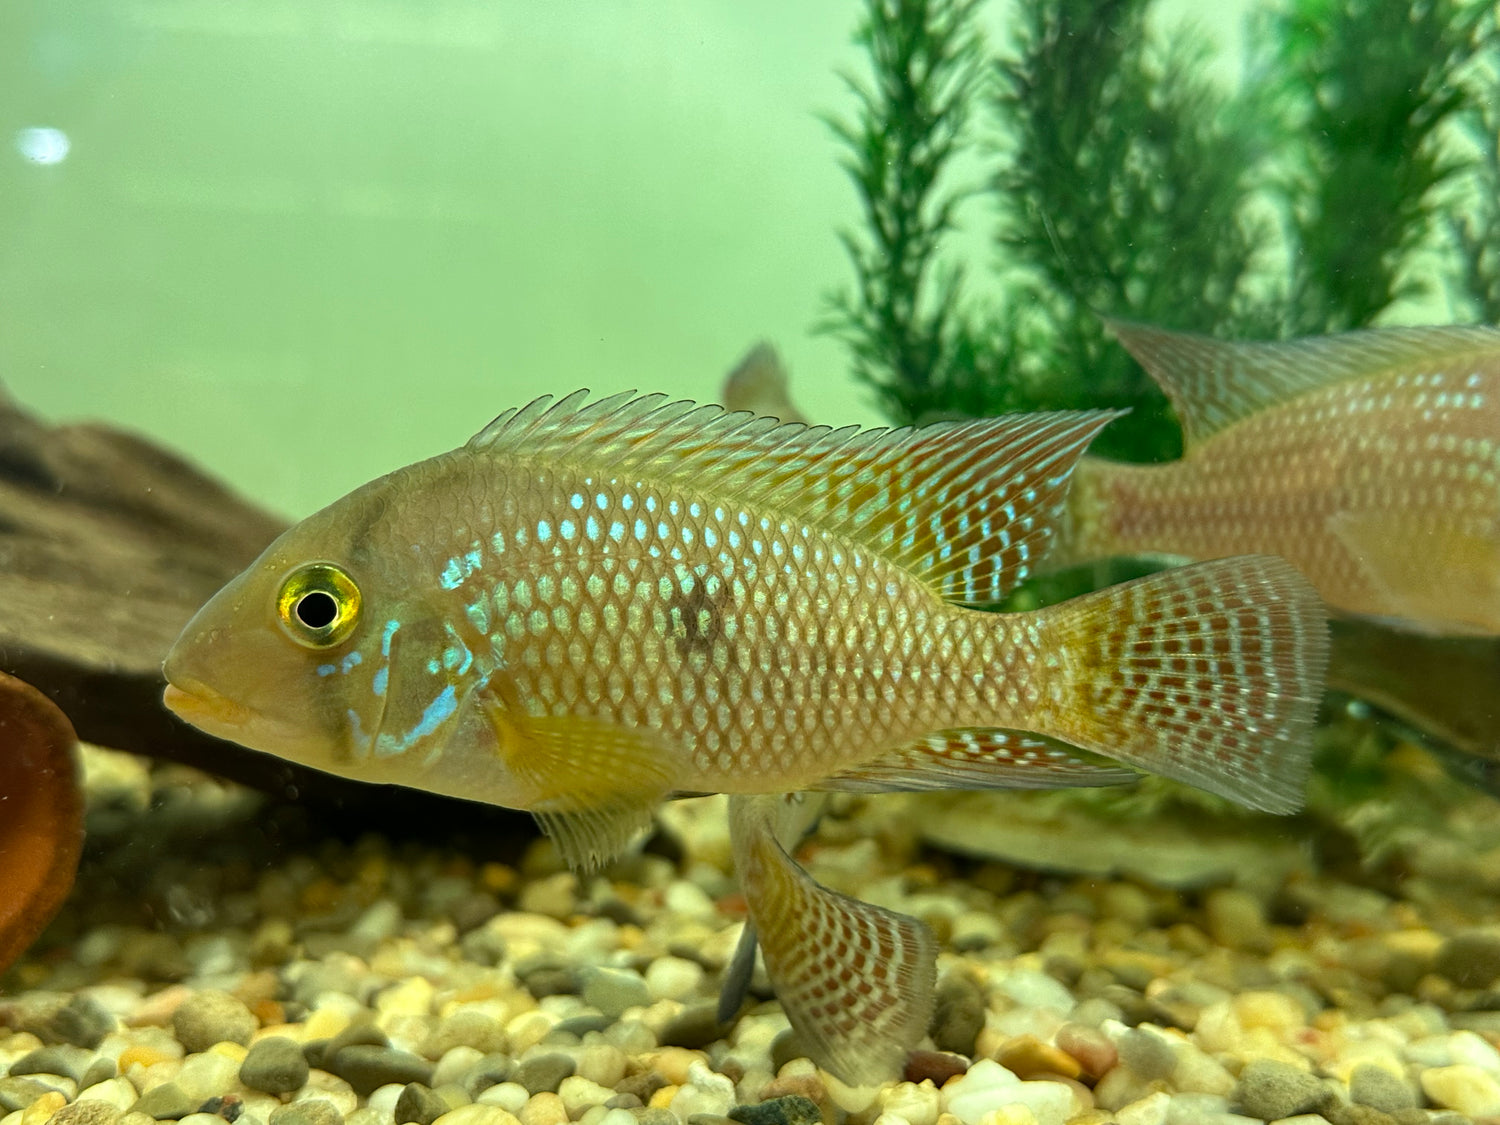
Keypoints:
pixel 318 605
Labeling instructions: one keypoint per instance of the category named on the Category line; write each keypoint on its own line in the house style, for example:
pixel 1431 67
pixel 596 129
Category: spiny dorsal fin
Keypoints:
pixel 1215 383
pixel 968 507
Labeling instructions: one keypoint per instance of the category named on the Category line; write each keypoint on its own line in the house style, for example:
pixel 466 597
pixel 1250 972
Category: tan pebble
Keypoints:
pixel 411 997
pixel 672 1063
pixel 1197 1073
pixel 40 1111
pixel 324 1023
pixel 543 1109
pixel 136 1117
pixel 157 1009
pixel 603 1063
pixel 1272 1010
pixel 88 1111
pixel 1027 1056
pixel 1093 1117
pixel 528 1029
pixel 949 1119
pixel 1121 1086
pixel 662 1099
pixel 593 1115
pixel 809 1086
pixel 477 1114
pixel 1092 1049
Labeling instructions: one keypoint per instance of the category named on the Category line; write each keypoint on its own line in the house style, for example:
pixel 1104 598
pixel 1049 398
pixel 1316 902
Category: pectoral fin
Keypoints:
pixel 855 981
pixel 975 759
pixel 1402 572
pixel 592 784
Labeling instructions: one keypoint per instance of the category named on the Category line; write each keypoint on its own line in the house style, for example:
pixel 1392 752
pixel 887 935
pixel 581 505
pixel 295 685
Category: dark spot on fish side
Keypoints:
pixel 695 620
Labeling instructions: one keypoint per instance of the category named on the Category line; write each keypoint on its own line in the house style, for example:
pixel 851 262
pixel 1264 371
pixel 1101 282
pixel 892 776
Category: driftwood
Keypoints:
pixel 108 544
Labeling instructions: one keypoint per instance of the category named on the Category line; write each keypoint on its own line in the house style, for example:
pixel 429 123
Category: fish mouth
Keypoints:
pixel 205 708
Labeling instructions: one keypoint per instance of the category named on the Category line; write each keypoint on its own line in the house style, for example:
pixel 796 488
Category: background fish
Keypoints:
pixel 595 605
pixel 1371 460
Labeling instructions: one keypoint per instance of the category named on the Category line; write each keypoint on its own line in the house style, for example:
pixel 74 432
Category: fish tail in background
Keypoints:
pixel 1208 674
pixel 857 982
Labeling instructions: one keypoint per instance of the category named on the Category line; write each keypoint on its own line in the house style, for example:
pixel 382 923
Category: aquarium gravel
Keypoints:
pixel 317 982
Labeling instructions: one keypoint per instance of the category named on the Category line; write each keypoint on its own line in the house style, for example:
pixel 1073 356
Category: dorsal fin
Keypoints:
pixel 966 506
pixel 1215 383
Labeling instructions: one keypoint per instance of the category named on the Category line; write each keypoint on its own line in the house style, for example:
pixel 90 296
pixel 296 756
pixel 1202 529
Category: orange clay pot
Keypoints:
pixel 41 814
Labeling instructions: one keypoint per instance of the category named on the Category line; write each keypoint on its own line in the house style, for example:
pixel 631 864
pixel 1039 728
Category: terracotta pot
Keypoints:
pixel 41 814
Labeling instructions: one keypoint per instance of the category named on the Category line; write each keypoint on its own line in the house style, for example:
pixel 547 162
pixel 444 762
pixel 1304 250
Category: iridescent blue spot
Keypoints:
pixel 350 661
pixel 576 501
pixel 385 638
pixel 617 530
pixel 568 529
pixel 452 577
pixel 591 529
pixel 640 529
pixel 377 685
pixel 327 669
pixel 436 713
pixel 543 531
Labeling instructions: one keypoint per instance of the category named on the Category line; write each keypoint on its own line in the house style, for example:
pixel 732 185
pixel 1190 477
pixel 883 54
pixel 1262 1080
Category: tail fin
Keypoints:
pixel 1209 674
pixel 855 981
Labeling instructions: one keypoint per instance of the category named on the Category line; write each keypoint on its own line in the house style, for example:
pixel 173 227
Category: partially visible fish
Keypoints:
pixel 1370 460
pixel 597 604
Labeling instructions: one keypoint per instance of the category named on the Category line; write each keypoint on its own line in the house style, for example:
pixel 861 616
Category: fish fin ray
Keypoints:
pixel 591 784
pixel 857 982
pixel 737 975
pixel 1467 599
pixel 1210 674
pixel 967 507
pixel 975 759
pixel 1216 383
pixel 589 838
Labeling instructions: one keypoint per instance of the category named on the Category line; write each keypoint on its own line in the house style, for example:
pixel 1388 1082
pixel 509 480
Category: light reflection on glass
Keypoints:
pixel 42 144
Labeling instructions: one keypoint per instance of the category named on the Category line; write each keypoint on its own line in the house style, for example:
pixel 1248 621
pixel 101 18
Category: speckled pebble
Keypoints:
pixel 1147 1053
pixel 418 1103
pixel 957 1015
pixel 465 1028
pixel 477 1114
pixel 1271 1089
pixel 309 1111
pixel 789 1110
pixel 1377 1087
pixel 18 1093
pixel 275 1065
pixel 87 1112
pixel 210 1017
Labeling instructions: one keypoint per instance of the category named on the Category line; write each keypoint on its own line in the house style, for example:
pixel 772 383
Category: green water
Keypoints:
pixel 304 242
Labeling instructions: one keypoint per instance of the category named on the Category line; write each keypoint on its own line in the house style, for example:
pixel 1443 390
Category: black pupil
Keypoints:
pixel 317 610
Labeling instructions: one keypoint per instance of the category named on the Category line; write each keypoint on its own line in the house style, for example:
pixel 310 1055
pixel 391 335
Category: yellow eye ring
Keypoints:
pixel 318 605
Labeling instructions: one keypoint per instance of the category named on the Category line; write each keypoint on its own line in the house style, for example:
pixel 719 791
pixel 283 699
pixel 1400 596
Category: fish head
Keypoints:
pixel 323 651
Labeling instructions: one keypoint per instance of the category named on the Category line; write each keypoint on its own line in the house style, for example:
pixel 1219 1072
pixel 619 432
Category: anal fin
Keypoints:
pixel 975 759
pixel 856 982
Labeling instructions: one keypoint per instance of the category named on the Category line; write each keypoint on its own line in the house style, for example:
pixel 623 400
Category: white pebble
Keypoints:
pixel 1032 989
pixel 673 978
pixel 509 1096
pixel 1470 1050
pixel 705 1092
pixel 983 1088
pixel 1150 1110
pixel 688 900
pixel 383 1100
pixel 603 1063
pixel 1464 1088
pixel 919 1105
pixel 578 1094
pixel 208 1075
pixel 455 1063
pixel 477 1114
pixel 118 1092
pixel 412 997
pixel 618 1117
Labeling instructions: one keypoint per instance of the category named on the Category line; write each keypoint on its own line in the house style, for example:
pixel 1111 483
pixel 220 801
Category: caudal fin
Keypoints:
pixel 1209 674
pixel 855 981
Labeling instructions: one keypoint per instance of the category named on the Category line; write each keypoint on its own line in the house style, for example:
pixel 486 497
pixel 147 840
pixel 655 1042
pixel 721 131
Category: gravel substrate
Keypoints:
pixel 211 967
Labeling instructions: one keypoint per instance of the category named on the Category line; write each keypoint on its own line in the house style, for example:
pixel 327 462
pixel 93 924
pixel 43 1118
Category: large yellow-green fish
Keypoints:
pixel 1370 459
pixel 595 605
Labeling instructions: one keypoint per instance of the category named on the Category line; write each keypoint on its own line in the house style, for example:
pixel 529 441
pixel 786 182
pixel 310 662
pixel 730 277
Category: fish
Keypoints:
pixel 598 604
pixel 1369 459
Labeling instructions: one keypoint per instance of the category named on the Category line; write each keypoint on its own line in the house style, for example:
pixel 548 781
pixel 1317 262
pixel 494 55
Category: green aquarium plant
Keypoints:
pixel 1354 167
